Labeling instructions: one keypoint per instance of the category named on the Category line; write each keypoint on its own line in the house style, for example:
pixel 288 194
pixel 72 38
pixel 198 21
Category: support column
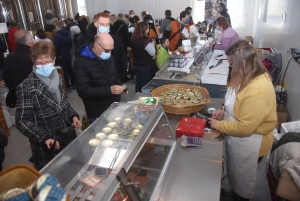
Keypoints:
pixel 20 12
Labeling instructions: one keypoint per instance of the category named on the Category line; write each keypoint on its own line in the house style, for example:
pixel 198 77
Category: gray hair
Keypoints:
pixel 121 17
pixel 23 36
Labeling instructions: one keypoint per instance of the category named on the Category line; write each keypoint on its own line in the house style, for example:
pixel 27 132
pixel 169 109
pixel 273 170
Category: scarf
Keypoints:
pixel 52 84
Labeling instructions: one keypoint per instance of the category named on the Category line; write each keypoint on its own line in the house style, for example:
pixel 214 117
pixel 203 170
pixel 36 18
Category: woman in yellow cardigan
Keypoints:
pixel 250 117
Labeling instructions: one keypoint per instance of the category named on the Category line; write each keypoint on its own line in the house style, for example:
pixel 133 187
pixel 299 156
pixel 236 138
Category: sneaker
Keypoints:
pixel 69 90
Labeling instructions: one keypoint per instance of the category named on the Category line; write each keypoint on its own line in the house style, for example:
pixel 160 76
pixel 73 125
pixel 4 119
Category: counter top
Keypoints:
pixel 195 173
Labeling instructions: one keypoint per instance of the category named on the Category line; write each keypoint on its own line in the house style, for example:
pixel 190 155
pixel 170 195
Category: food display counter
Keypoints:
pixel 99 166
pixel 202 57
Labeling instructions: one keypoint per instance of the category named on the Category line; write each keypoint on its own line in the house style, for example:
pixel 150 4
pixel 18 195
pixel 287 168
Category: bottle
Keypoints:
pixel 156 22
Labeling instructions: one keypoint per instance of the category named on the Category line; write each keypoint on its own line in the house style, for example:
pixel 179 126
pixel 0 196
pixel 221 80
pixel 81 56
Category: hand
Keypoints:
pixel 154 57
pixel 154 42
pixel 218 114
pixel 212 122
pixel 50 142
pixel 124 86
pixel 211 44
pixel 76 122
pixel 116 89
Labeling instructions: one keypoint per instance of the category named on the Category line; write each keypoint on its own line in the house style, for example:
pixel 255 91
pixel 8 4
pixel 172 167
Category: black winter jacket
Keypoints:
pixel 94 77
pixel 79 40
pixel 3 48
pixel 17 66
pixel 63 44
pixel 118 52
pixel 122 32
pixel 3 143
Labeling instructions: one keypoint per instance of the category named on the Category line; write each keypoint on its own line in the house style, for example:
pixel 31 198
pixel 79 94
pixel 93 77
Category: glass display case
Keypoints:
pixel 123 155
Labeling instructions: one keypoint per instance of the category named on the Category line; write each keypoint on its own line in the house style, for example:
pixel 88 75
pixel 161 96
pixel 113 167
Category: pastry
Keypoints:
pixel 100 136
pixel 127 121
pixel 94 142
pixel 112 124
pixel 131 137
pixel 106 130
pixel 113 137
pixel 16 194
pixel 107 143
pixel 135 132
pixel 117 119
pixel 51 193
pixel 139 127
pixel 117 131
pixel 92 181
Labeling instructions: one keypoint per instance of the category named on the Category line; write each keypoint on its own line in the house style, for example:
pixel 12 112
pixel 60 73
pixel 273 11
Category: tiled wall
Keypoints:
pixel 273 33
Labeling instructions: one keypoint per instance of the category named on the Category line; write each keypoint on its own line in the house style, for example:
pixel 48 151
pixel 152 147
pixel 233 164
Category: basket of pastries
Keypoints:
pixel 182 98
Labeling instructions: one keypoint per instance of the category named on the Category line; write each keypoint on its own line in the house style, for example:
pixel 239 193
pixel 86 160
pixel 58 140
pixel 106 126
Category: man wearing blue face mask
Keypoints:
pixel 97 79
pixel 102 25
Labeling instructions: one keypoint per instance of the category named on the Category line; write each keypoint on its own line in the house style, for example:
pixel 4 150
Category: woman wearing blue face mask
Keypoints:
pixel 43 113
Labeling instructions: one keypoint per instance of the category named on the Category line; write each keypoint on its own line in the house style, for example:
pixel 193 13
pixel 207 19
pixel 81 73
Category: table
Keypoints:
pixel 195 173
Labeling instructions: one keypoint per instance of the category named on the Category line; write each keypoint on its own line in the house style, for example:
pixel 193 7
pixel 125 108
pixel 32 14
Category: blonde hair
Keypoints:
pixel 246 65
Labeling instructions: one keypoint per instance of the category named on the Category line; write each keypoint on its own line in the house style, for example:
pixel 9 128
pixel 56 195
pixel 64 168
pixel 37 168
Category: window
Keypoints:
pixel 236 12
pixel 81 7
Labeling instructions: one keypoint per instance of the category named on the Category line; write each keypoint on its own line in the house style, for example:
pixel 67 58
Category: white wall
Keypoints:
pixel 281 36
pixel 95 6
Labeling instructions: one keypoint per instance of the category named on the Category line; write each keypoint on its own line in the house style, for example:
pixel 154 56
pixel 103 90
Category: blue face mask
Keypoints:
pixel 103 29
pixel 218 9
pixel 44 70
pixel 104 56
pixel 217 28
pixel 187 21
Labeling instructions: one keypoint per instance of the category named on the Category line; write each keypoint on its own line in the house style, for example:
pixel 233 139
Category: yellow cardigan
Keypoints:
pixel 255 112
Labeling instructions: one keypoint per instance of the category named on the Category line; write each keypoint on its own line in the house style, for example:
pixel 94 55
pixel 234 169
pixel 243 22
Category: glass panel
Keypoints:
pixel 109 140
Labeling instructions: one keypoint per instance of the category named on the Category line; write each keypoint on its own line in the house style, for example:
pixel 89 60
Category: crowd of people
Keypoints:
pixel 94 58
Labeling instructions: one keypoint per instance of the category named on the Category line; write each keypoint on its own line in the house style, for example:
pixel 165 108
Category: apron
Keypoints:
pixel 241 154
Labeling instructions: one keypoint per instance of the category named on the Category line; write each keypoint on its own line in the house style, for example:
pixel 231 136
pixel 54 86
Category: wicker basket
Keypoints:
pixel 182 109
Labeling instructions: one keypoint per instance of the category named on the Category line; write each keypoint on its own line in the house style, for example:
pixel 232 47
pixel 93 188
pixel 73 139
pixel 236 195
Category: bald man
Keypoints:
pixel 98 84
pixel 17 66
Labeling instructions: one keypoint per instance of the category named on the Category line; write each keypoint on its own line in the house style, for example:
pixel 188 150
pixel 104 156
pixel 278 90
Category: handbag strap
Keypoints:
pixel 119 29
pixel 176 33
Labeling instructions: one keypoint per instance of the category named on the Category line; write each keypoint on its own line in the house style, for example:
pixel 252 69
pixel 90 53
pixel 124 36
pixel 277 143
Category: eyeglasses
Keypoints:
pixel 44 64
pixel 106 51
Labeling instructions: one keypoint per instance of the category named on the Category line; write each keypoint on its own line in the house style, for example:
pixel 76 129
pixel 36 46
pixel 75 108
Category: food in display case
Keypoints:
pixel 107 143
pixel 92 180
pixel 101 136
pixel 113 137
pixel 94 142
pixel 106 130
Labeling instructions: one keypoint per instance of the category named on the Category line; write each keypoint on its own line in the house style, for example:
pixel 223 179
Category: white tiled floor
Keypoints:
pixel 18 149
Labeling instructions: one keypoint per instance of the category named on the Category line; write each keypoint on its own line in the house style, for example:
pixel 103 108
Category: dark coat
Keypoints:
pixel 224 13
pixel 94 78
pixel 3 48
pixel 63 44
pixel 79 40
pixel 39 117
pixel 68 27
pixel 82 23
pixel 3 143
pixel 17 66
pixel 119 28
pixel 118 52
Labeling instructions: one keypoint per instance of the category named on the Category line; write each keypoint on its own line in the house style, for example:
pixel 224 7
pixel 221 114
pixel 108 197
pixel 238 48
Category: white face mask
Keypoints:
pixel 131 15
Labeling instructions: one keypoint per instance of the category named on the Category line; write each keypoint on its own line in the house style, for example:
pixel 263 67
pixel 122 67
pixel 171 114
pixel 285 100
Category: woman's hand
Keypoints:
pixel 50 142
pixel 218 114
pixel 211 44
pixel 212 122
pixel 125 91
pixel 76 122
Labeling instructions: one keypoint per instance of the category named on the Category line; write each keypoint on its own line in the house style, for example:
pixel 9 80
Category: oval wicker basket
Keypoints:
pixel 182 109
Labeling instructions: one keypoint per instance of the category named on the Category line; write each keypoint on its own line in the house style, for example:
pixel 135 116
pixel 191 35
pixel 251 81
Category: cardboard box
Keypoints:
pixel 282 116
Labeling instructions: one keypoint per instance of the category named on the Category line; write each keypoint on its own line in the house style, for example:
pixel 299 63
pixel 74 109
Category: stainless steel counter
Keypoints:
pixel 194 173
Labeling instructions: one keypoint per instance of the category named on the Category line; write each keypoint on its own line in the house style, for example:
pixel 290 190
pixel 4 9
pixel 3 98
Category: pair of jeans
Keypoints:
pixel 142 74
pixel 66 65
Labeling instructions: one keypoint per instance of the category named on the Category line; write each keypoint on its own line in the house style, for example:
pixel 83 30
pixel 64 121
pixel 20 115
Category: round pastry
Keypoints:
pixel 106 130
pixel 131 137
pixel 107 143
pixel 127 121
pixel 139 127
pixel 50 193
pixel 16 194
pixel 100 136
pixel 112 124
pixel 94 142
pixel 117 131
pixel 135 132
pixel 113 136
pixel 117 119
